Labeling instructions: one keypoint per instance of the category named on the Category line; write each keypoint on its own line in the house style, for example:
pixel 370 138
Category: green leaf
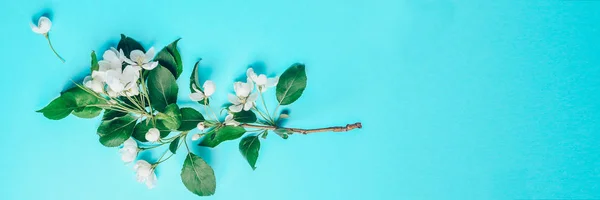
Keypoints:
pixel 128 44
pixel 171 117
pixel 189 119
pixel 141 128
pixel 94 66
pixel 162 88
pixel 222 134
pixel 170 58
pixel 81 97
pixel 114 132
pixel 174 145
pixel 283 133
pixel 59 108
pixel 291 84
pixel 111 114
pixel 249 147
pixel 244 116
pixel 197 176
pixel 195 82
pixel 88 112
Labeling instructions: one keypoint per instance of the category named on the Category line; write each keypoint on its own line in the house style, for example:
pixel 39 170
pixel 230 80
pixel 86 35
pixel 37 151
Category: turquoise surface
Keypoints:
pixel 459 99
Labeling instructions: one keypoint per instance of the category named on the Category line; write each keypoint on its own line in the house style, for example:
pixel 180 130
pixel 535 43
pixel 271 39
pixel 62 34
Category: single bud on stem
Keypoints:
pixel 43 27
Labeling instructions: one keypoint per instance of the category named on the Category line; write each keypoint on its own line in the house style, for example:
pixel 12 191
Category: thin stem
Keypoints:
pixel 307 131
pixel 276 108
pixel 262 98
pixel 263 116
pixel 51 47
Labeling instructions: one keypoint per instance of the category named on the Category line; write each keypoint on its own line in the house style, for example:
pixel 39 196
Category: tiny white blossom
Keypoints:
pixel 262 82
pixel 230 121
pixel 129 151
pixel 145 173
pixel 195 137
pixel 43 26
pixel 138 58
pixel 201 126
pixel 209 90
pixel 243 99
pixel 153 135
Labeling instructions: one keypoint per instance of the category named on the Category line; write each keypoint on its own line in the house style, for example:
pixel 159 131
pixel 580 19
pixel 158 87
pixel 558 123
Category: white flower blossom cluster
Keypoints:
pixel 114 79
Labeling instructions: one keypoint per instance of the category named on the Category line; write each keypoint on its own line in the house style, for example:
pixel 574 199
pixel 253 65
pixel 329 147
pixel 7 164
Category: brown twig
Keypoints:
pixel 307 131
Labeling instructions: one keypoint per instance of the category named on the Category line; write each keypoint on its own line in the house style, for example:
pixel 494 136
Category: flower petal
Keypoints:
pixel 250 73
pixel 272 82
pixel 209 88
pixel 150 65
pixel 44 24
pixel 197 96
pixel 233 99
pixel 252 97
pixel 261 80
pixel 149 55
pixel 248 105
pixel 236 108
pixel 137 56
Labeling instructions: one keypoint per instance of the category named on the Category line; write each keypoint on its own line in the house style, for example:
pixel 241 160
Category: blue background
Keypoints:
pixel 459 99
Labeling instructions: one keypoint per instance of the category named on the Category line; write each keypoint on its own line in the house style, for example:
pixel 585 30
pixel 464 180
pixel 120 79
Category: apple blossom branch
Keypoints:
pixel 348 127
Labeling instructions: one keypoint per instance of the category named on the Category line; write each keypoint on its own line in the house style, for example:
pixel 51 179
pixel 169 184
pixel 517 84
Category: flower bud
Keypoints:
pixel 195 137
pixel 153 135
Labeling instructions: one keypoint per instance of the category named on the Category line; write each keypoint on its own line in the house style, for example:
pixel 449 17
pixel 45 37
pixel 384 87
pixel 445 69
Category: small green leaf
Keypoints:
pixel 291 84
pixel 249 147
pixel 171 117
pixel 222 134
pixel 114 132
pixel 197 176
pixel 58 108
pixel 195 82
pixel 141 128
pixel 88 112
pixel 162 88
pixel 170 58
pixel 283 133
pixel 264 135
pixel 174 145
pixel 111 114
pixel 244 116
pixel 128 44
pixel 190 119
pixel 94 66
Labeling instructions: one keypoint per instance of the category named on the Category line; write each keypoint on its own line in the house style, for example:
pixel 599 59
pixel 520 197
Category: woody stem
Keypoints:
pixel 348 127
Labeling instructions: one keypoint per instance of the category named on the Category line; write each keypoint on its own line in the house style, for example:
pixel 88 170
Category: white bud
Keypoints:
pixel 195 137
pixel 284 116
pixel 153 135
pixel 201 126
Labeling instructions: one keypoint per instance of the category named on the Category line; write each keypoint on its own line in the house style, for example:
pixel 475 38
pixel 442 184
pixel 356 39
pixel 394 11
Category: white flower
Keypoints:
pixel 243 89
pixel 201 126
pixel 43 26
pixel 240 103
pixel 153 135
pixel 242 98
pixel 230 121
pixel 123 82
pixel 138 58
pixel 195 137
pixel 209 89
pixel 262 82
pixel 129 150
pixel 145 173
pixel 95 82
